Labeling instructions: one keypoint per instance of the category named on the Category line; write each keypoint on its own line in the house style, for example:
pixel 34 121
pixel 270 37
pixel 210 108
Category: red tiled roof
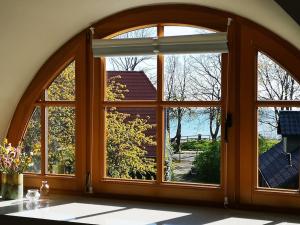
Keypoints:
pixel 138 84
pixel 139 88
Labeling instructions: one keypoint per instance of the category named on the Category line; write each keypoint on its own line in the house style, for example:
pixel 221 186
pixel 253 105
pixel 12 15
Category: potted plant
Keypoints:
pixel 13 162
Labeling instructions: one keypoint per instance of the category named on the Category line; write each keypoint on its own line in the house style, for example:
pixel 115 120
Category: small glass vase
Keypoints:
pixel 33 195
pixel 44 189
pixel 12 186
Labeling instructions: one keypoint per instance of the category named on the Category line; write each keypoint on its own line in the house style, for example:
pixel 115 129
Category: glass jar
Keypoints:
pixel 44 189
pixel 33 195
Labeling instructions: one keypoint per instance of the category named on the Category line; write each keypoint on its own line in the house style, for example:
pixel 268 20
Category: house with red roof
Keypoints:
pixel 139 88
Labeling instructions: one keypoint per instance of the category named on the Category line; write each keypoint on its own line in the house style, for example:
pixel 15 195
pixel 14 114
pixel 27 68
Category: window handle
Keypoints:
pixel 228 124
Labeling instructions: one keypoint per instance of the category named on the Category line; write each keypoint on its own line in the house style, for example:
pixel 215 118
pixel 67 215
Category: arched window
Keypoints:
pixel 54 127
pixel 190 81
pixel 198 127
pixel 56 110
pixel 269 104
pixel 32 140
pixel 278 141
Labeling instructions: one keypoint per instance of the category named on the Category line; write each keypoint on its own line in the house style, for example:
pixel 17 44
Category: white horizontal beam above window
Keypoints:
pixel 201 43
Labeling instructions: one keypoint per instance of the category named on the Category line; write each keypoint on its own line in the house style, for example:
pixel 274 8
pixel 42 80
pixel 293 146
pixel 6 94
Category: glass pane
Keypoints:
pixel 278 147
pixel 192 145
pixel 139 33
pixel 61 140
pixel 131 143
pixel 192 77
pixel 63 87
pixel 32 141
pixel 274 82
pixel 131 78
pixel 185 30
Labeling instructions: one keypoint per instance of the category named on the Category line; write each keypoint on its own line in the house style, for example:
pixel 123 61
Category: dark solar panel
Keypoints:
pixel 275 167
pixel 289 123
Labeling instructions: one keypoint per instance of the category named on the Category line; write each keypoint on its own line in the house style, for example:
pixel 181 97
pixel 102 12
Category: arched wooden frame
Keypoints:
pixel 109 27
pixel 257 39
pixel 245 39
pixel 101 182
pixel 74 50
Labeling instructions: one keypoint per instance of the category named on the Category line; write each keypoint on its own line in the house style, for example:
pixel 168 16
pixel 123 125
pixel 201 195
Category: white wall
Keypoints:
pixel 31 30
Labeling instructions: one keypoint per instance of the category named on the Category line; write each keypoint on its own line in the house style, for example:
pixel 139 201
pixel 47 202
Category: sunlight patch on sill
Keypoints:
pixel 134 216
pixel 66 212
pixel 236 220
pixel 10 202
pixel 103 214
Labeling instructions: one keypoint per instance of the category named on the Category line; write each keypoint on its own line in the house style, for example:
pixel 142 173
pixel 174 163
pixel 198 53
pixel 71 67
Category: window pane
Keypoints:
pixel 139 33
pixel 131 143
pixel 185 30
pixel 61 140
pixel 274 82
pixel 192 145
pixel 131 78
pixel 32 141
pixel 278 147
pixel 63 87
pixel 192 77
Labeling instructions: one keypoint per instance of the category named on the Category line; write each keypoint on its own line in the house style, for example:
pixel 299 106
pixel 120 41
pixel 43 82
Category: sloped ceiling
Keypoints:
pixel 31 30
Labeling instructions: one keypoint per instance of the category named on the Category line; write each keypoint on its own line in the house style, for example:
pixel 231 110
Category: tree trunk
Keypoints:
pixel 168 123
pixel 213 115
pixel 178 131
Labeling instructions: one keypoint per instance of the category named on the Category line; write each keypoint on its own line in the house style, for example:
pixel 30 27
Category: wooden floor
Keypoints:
pixel 86 210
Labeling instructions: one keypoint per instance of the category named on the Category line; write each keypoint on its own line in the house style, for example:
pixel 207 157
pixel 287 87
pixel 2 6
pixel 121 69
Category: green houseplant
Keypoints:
pixel 13 162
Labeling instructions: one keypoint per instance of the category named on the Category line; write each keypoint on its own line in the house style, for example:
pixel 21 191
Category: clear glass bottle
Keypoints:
pixel 44 189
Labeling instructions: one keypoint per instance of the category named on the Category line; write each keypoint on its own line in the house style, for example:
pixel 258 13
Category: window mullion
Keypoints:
pixel 102 130
pixel 44 138
pixel 159 112
pixel 277 103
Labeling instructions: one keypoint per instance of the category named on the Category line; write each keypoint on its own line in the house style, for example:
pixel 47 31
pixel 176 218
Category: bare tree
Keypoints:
pixel 170 72
pixel 177 73
pixel 194 77
pixel 136 63
pixel 274 83
pixel 127 63
pixel 205 85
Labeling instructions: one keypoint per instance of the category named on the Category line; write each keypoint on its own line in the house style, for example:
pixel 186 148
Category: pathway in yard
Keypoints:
pixel 183 167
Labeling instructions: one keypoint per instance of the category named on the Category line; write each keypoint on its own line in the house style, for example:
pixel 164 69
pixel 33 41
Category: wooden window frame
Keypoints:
pixel 103 183
pixel 264 104
pixel 240 172
pixel 257 40
pixel 74 52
